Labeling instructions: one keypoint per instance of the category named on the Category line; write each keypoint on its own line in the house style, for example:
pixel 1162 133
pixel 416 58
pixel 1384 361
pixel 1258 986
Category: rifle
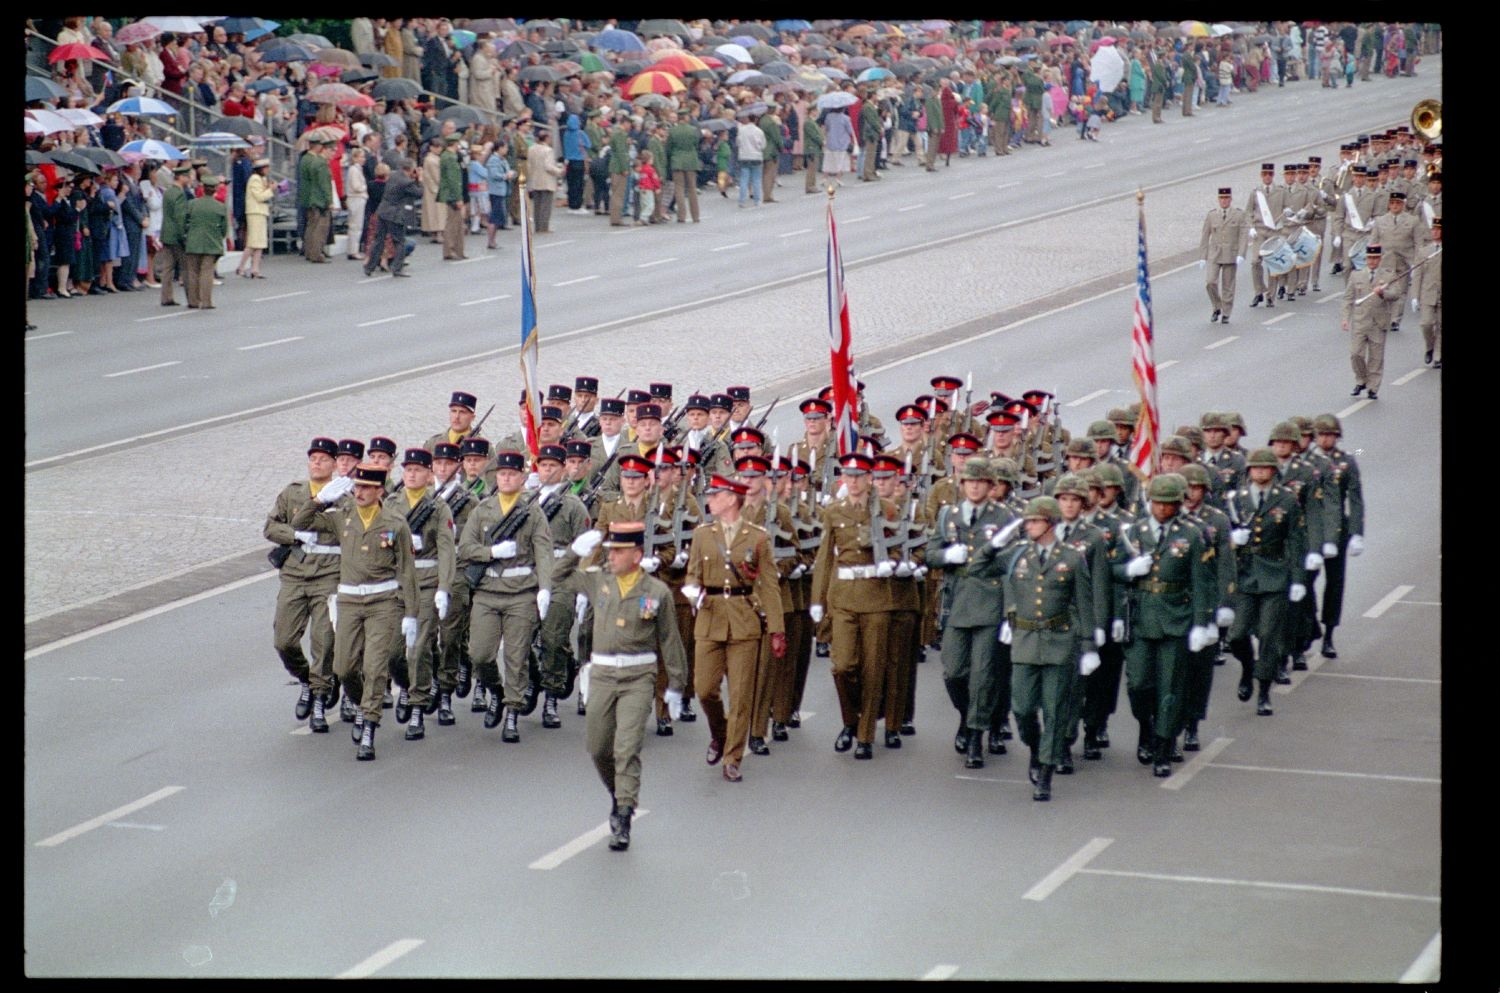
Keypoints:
pixel 457 501
pixel 781 541
pixel 825 481
pixel 418 516
pixel 653 516
pixel 1057 445
pixel 879 547
pixel 279 554
pixel 674 417
pixel 504 530
pixel 680 516
pixel 762 422
pixel 474 431
pixel 597 480
pixel 916 534
pixel 968 424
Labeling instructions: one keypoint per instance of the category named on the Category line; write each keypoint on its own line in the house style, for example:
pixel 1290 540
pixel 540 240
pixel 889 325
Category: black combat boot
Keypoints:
pixel 1034 768
pixel 549 712
pixel 366 751
pixel 445 709
pixel 358 727
pixel 1263 702
pixel 778 731
pixel 1328 651
pixel 1065 767
pixel 975 757
pixel 465 678
pixel 1091 750
pixel 403 706
pixel 414 728
pixel 1190 737
pixel 1143 744
pixel 1161 759
pixel 1043 788
pixel 480 702
pixel 961 737
pixel 686 715
pixel 844 741
pixel 510 732
pixel 619 828
pixel 758 745
pixel 304 702
pixel 318 723
pixel 492 709
pixel 997 742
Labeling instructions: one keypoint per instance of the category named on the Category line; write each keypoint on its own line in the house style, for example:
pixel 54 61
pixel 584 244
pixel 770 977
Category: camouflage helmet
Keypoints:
pixel 1043 508
pixel 1119 415
pixel 1006 471
pixel 1101 431
pixel 1327 424
pixel 1075 483
pixel 1178 445
pixel 1262 457
pixel 1233 419
pixel 1195 473
pixel 1134 410
pixel 1285 431
pixel 1108 474
pixel 979 468
pixel 1212 420
pixel 1194 434
pixel 1081 448
pixel 1168 487
pixel 1303 422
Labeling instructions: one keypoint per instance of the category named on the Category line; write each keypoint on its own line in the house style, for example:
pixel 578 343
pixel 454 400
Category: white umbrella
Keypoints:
pixel 837 99
pixel 1219 30
pixel 51 121
pixel 32 127
pixel 142 107
pixel 176 25
pixel 1107 68
pixel 220 139
pixel 150 148
pixel 738 53
pixel 80 117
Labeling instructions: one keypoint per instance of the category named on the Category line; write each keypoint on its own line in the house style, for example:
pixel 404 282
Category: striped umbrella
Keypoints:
pixel 142 107
pixel 653 82
pixel 150 148
pixel 219 140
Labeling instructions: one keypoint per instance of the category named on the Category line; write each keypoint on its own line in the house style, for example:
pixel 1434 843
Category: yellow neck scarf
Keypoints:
pixel 368 514
pixel 315 488
pixel 507 501
pixel 627 582
pixel 413 497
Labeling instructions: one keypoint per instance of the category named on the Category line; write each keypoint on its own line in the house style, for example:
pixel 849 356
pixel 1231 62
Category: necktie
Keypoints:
pixel 1260 497
pixel 1064 535
pixel 1041 555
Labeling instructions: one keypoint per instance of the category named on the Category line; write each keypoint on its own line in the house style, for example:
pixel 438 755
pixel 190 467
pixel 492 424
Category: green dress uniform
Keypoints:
pixel 174 204
pixel 1101 688
pixel 309 578
pixel 869 137
pixel 619 173
pixel 1215 526
pixel 1305 474
pixel 207 222
pixel 682 160
pixel 451 195
pixel 1346 495
pixel 1269 553
pixel 432 543
pixel 770 125
pixel 1089 542
pixel 933 108
pixel 1161 81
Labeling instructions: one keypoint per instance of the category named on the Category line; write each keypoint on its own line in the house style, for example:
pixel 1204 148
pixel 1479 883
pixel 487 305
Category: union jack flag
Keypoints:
pixel 840 347
pixel 1143 444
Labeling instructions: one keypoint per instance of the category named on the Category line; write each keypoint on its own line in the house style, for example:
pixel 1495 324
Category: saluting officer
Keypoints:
pixel 1223 248
pixel 432 543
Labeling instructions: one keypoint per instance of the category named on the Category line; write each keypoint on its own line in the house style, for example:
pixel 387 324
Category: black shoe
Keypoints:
pixel 1371 395
pixel 549 712
pixel 465 679
pixel 445 709
pixel 1190 738
pixel 907 729
pixel 1281 678
pixel 403 706
pixel 1043 788
pixel 1427 357
pixel 304 702
pixel 433 693
pixel 1302 291
pixel 961 738
pixel 1327 651
pixel 528 700
pixel 892 739
pixel 510 733
pixel 795 721
pixel 1263 702
pixel 582 708
pixel 387 701
pixel 758 746
pixel 1281 292
pixel 1299 664
pixel 820 649
pixel 1034 768
pixel 974 759
pixel 1395 326
pixel 1065 767
pixel 997 744
pixel 317 722
pixel 1176 752
pixel 1143 746
pixel 778 731
pixel 1358 389
pixel 1224 319
pixel 1270 304
pixel 346 709
pixel 358 728
pixel 1161 761
pixel 414 729
pixel 1091 751
pixel 845 740
pixel 1338 267
pixel 366 750
pixel 864 750
pixel 1259 298
pixel 1213 317
pixel 619 829
pixel 1004 731
pixel 1101 737
pixel 686 716
pixel 664 727
pixel 492 710
pixel 1245 688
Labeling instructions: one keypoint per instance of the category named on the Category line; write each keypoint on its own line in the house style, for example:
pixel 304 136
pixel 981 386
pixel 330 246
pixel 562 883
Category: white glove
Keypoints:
pixel 440 601
pixel 815 612
pixel 1224 617
pixel 690 592
pixel 580 604
pixel 920 572
pixel 1099 637
pixel 1005 633
pixel 1197 639
pixel 503 550
pixel 1415 305
pixel 533 481
pixel 1117 629
pixel 673 700
pixel 306 537
pixel 333 610
pixel 335 489
pixel 1138 566
pixel 651 563
pixel 798 571
pixel 885 570
pixel 843 491
pixel 583 682
pixel 409 631
pixel 1296 592
pixel 1313 562
pixel 824 500
pixel 585 543
pixel 956 554
pixel 1004 534
pixel 1240 537
pixel 1330 551
pixel 543 601
pixel 1239 260
pixel 1202 263
pixel 680 560
pixel 905 569
pixel 1338 240
pixel 1356 544
pixel 1088 663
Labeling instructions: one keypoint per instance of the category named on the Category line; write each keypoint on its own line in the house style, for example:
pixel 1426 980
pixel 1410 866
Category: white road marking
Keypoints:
pixel 385 320
pixel 1096 165
pixel 1221 343
pixel 52 334
pixel 306 729
pixel 113 815
pixel 992 779
pixel 1053 175
pixel 1085 399
pixel 555 244
pixel 1166 365
pixel 793 234
pixel 940 972
pixel 1006 186
pixel 1428 967
pixel 281 296
pixel 914 206
pixel 1196 764
pixel 1068 869
pixel 1330 772
pixel 1352 409
pixel 144 368
pixel 725 248
pixel 268 344
pixel 160 317
pixel 381 959
pixel 471 303
pixel 1201 141
pixel 1263 884
pixel 1421 603
pixel 582 843
pixel 1383 679
pixel 963 196
pixel 1400 382
pixel 856 220
pixel 647 265
pixel 580 279
pixel 1277 319
pixel 1387 601
pixel 138 827
pixel 1331 297
pixel 374 279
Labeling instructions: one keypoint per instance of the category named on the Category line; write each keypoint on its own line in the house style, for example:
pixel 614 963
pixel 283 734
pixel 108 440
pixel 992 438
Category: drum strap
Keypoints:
pixel 1353 212
pixel 1427 213
pixel 1265 211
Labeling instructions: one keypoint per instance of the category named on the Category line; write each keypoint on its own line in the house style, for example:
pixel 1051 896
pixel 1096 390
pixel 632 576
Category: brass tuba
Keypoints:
pixel 1427 119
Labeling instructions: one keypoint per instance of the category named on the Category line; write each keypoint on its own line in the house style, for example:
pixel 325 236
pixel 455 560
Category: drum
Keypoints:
pixel 1277 256
pixel 1305 246
pixel 1356 253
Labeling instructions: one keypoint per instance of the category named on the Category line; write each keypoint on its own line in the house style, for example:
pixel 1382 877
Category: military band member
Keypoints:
pixel 309 577
pixel 377 590
pixel 1263 210
pixel 1299 200
pixel 1356 211
pixel 1427 296
pixel 432 542
pixel 567 518
pixel 1399 236
pixel 1223 249
pixel 1366 316
pixel 1321 199
pixel 1215 526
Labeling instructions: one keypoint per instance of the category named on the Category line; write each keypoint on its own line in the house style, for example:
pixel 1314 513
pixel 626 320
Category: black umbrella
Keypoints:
pixel 76 162
pixel 41 88
pixel 464 117
pixel 561 46
pixel 543 25
pixel 921 62
pixel 754 31
pixel 377 60
pixel 519 49
pixel 624 70
pixel 283 50
pixel 538 74
pixel 245 127
pixel 240 25
pixel 781 70
pixel 35 158
pixel 399 88
pixel 663 26
pixel 711 41
pixel 102 156
pixel 1025 43
pixel 813 53
pixel 814 38
pixel 761 54
pixel 491 25
pixel 846 47
pixel 354 77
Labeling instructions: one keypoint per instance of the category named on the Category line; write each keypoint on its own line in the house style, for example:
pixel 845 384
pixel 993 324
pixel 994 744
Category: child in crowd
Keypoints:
pixel 648 183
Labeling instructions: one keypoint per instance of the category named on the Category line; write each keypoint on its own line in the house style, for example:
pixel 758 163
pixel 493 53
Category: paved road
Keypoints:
pixel 1301 847
pixel 102 370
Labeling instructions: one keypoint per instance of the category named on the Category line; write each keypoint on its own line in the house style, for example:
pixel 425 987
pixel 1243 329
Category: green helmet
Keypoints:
pixel 1108 474
pixel 1178 445
pixel 1262 456
pixel 1327 424
pixel 1081 448
pixel 1119 415
pixel 1101 431
pixel 1006 471
pixel 1043 508
pixel 1168 487
pixel 1303 422
pixel 1075 483
pixel 1285 431
pixel 1212 420
pixel 1194 434
pixel 1234 420
pixel 1195 473
pixel 979 468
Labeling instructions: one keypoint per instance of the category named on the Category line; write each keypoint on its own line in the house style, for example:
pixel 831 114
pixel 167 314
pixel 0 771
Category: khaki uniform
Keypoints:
pixel 453 634
pixel 309 577
pixel 1399 236
pixel 909 602
pixel 674 578
pixel 773 676
pixel 1427 290
pixel 1223 240
pixel 433 557
pixel 1369 322
pixel 1275 197
pixel 799 636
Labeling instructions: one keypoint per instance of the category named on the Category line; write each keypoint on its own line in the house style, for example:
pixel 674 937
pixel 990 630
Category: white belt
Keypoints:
pixel 312 549
pixel 621 661
pixel 856 572
pixel 369 589
pixel 558 553
pixel 511 573
pixel 425 563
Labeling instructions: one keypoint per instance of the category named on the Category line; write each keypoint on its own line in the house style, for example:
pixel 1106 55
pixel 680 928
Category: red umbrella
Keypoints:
pixel 1062 39
pixel 75 50
pixel 938 51
pixel 1010 33
pixel 991 44
pixel 653 81
pixel 1095 45
pixel 711 62
pixel 339 93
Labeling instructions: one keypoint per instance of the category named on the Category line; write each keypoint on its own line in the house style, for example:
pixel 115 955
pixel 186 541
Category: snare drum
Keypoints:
pixel 1305 246
pixel 1356 253
pixel 1277 256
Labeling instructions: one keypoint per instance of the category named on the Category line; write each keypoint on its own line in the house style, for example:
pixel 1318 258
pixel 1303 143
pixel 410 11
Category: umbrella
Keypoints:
pixel 1219 30
pixel 544 25
pixel 51 121
pixel 845 47
pixel 176 25
pixel 538 74
pixel 874 73
pixel 745 40
pixel 589 62
pixel 1140 36
pixel 860 30
pixel 260 32
pixel 376 60
pixel 682 60
pixel 787 49
pixel 310 40
pixel 923 63
pixel 833 73
pixel 519 49
pixel 781 70
pixel 815 38
pixel 661 26
pixel 325 132
pixel 717 124
pixel 142 107
pixel 356 76
pixel 220 140
pixel 761 54
pixel 1007 60
pixel 1193 29
pixel 135 34
pixel 245 127
pixel 1063 39
pixel 102 157
pixel 936 25
pixel 241 25
pixel 399 88
pixel 339 93
pixel 35 158
pixel 662 44
pixel 813 53
pixel 653 82
pixel 614 40
pixel 320 69
pixel 266 83
pixel 565 69
pixel 75 50
pixel 830 101
pixel 793 24
pixel 462 39
pixel 464 117
pixel 338 57
pixel 283 50
pixel 80 117
pixel 756 31
pixel 151 149
pixel 1025 43
pixel 858 64
pixel 491 25
pixel 562 46
pixel 652 100
pixel 76 162
pixel 1099 43
pixel 713 62
pixel 33 128
pixel 905 70
pixel 991 44
pixel 791 87
pixel 1107 68
pixel 40 88
pixel 749 77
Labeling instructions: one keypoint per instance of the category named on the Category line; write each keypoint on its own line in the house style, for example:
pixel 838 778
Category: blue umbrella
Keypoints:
pixel 746 40
pixel 240 25
pixel 285 51
pixel 615 40
pixel 874 72
pixel 267 83
pixel 149 148
pixel 142 107
pixel 266 28
pixel 793 24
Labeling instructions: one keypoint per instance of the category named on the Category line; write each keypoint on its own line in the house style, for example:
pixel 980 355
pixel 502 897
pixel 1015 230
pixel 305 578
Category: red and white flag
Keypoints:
pixel 1143 444
pixel 840 347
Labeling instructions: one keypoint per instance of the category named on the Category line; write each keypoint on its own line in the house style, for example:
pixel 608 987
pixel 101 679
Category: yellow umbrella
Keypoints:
pixel 653 82
pixel 1194 29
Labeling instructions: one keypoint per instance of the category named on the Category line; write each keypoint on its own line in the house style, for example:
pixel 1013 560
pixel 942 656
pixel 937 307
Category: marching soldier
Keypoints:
pixel 1223 248
pixel 377 590
pixel 1264 210
pixel 680 513
pixel 634 502
pixel 799 495
pixel 904 590
pixel 309 579
pixel 713 457
pixel 567 518
pixel 1346 496
pixel 461 410
pixel 732 580
pixel 351 453
pixel 585 399
pixel 946 492
pixel 454 672
pixel 1303 474
pixel 1399 235
pixel 1323 196
pixel 1101 689
pixel 432 541
pixel 1357 210
pixel 762 506
pixel 1427 296
pixel 1227 466
pixel 1215 525
pixel 381 452
pixel 1299 200
pixel 1072 529
pixel 1366 316
pixel 818 448
pixel 510 565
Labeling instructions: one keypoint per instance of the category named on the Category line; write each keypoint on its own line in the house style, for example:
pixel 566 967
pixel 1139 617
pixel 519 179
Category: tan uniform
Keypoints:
pixel 309 577
pixel 773 675
pixel 908 598
pixel 433 557
pixel 1427 290
pixel 1223 241
pixel 1369 322
pixel 1275 200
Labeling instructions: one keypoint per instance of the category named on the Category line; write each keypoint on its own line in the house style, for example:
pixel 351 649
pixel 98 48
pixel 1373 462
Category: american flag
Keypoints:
pixel 1143 447
pixel 529 335
pixel 840 347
